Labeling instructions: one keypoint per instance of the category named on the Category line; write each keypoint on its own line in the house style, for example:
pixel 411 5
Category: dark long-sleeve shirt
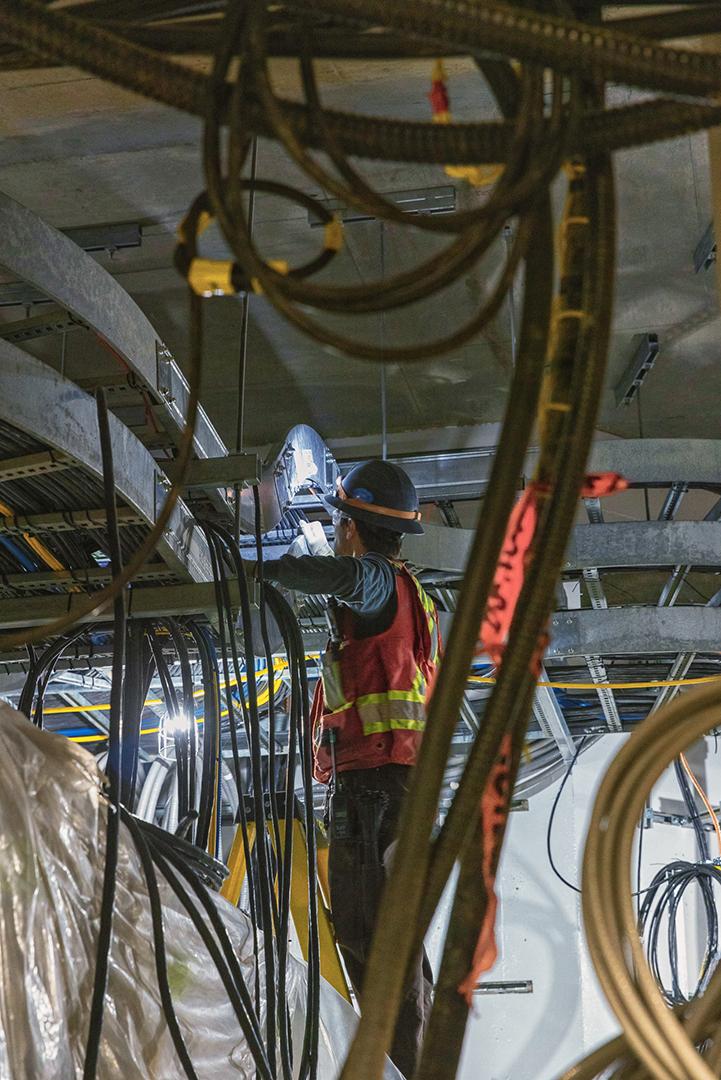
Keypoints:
pixel 366 585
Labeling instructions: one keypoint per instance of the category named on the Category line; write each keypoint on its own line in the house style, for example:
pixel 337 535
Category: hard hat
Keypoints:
pixel 381 494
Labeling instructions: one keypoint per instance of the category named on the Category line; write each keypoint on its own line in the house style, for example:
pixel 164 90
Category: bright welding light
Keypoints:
pixel 179 724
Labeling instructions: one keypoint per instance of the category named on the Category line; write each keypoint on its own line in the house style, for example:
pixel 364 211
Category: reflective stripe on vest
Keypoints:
pixel 431 615
pixel 389 710
pixel 393 711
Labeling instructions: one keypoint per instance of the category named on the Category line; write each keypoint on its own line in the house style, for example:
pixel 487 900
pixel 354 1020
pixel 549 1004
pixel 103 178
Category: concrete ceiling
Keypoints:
pixel 78 151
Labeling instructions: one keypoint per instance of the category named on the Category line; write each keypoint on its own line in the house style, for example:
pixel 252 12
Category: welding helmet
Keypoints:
pixel 381 494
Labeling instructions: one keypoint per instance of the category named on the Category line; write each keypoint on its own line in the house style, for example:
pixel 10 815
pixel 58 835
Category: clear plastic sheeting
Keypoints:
pixel 52 845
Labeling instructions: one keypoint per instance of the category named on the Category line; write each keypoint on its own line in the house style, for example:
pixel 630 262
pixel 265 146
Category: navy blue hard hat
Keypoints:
pixel 381 494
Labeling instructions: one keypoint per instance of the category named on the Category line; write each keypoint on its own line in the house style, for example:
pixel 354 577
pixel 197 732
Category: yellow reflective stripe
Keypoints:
pixel 391 695
pixel 393 725
pixel 405 711
pixel 340 709
pixel 431 615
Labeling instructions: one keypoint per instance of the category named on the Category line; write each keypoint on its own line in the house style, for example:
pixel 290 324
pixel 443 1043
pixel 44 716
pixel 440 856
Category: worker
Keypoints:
pixel 368 712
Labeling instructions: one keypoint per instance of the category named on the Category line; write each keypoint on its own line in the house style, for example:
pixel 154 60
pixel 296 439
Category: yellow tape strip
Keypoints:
pixel 333 235
pixel 279 265
pixel 211 277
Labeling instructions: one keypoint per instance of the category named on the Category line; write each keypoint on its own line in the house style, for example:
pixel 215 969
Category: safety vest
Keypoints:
pixel 373 691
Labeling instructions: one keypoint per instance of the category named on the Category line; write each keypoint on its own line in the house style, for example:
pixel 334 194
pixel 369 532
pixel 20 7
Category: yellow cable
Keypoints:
pixel 651 684
pixel 38 547
pixel 485 679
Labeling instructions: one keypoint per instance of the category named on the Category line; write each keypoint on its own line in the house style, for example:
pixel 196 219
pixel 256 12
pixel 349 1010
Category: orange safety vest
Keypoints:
pixel 373 690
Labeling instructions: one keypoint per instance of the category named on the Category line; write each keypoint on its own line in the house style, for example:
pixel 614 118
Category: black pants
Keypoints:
pixel 364 822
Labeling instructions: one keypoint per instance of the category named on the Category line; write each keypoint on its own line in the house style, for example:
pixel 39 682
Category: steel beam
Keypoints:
pixel 660 461
pixel 46 461
pixel 208 473
pixel 460 474
pixel 615 545
pixel 648 631
pixel 44 580
pixel 151 602
pixel 432 200
pixel 464 474
pixel 56 521
pixel 37 326
pixel 40 402
pixel 644 543
pixel 439 547
pixel 41 255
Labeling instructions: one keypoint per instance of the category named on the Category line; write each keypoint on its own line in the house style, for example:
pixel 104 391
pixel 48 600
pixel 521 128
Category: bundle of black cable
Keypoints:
pixel 663 901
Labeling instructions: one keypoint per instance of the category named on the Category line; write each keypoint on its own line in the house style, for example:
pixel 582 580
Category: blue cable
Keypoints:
pixel 17 553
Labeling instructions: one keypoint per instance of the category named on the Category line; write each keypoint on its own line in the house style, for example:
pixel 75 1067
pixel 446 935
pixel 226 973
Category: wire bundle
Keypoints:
pixel 138 654
pixel 533 158
pixel 682 1044
pixel 272 854
pixel 663 900
pixel 557 383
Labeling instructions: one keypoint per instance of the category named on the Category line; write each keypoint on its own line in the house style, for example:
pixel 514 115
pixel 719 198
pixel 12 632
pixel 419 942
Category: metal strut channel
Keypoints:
pixel 549 717
pixel 595 664
pixel 624 544
pixel 38 401
pixel 464 474
pixel 648 631
pixel 40 254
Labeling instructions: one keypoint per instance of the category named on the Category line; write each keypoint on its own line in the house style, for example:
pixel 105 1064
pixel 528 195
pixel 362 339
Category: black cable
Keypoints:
pixel 133 703
pixel 552 815
pixel 661 907
pixel 39 665
pixel 241 1005
pixel 262 606
pixel 114 754
pixel 223 606
pixel 271 598
pixel 301 717
pixel 690 801
pixel 186 677
pixel 639 861
pixel 211 710
pixel 180 741
pixel 283 1017
pixel 161 966
pixel 266 893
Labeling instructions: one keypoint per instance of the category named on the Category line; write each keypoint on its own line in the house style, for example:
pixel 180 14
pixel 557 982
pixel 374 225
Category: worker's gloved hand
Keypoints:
pixel 314 537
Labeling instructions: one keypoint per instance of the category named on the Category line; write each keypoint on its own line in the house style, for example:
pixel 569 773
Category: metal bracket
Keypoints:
pixel 215 472
pixel 522 986
pixel 643 359
pixel 705 251
pixel 432 200
pixel 551 720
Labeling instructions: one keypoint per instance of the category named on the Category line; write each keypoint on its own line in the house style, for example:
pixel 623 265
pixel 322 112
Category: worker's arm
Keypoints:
pixel 366 584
